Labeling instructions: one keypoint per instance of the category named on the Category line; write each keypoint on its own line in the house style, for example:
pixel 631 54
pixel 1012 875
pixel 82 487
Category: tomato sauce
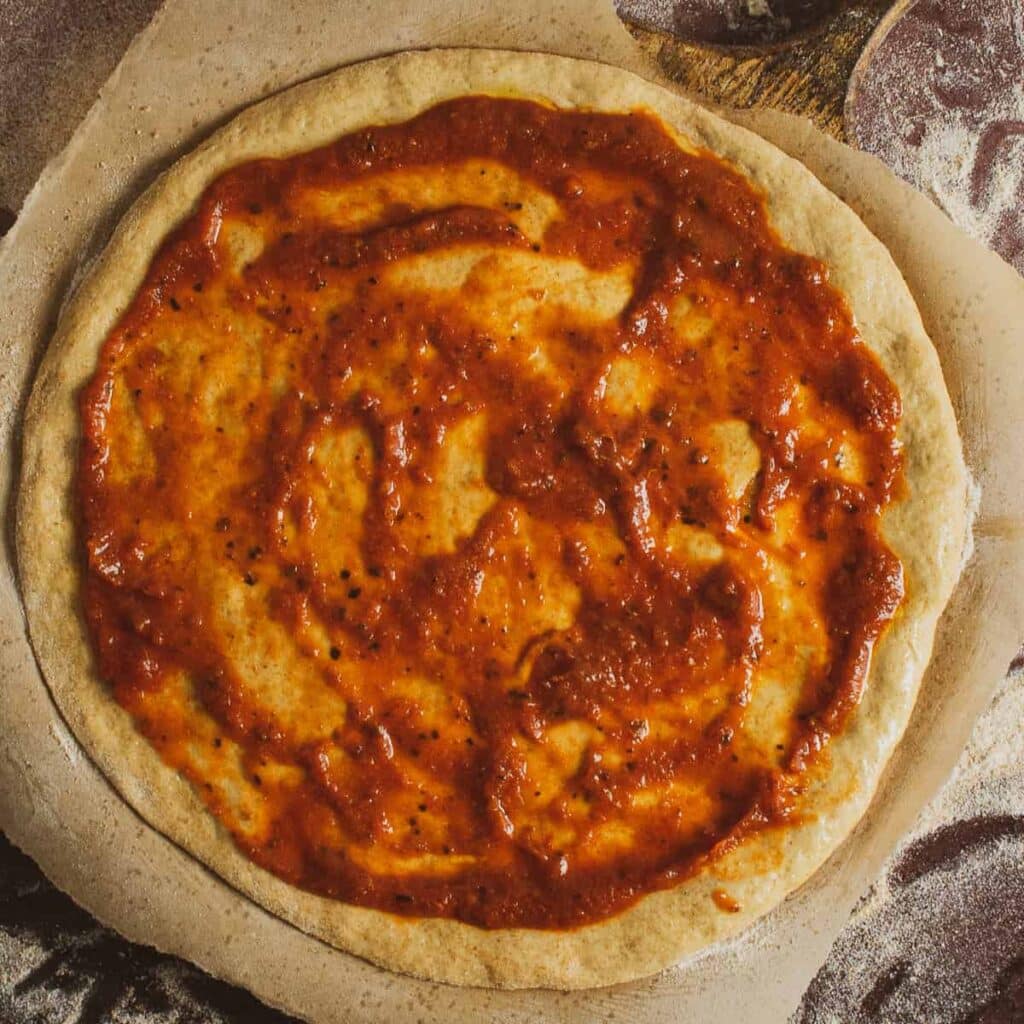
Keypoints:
pixel 454 799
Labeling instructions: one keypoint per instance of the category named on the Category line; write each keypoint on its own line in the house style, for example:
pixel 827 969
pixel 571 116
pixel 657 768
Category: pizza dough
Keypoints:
pixel 926 529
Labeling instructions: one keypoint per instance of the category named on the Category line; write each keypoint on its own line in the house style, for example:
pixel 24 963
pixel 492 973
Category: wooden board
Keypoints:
pixel 806 75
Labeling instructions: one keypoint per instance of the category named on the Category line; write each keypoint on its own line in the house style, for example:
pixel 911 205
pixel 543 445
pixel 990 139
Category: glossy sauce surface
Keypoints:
pixel 483 512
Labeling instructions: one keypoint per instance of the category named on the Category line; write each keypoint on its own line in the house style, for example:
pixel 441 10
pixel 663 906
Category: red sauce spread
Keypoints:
pixel 483 512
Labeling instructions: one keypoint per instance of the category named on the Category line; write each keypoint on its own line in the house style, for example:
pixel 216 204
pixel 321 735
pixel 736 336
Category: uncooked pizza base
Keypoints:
pixel 927 529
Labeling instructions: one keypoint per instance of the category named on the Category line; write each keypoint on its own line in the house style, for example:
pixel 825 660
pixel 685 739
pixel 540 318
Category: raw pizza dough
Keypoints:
pixel 927 529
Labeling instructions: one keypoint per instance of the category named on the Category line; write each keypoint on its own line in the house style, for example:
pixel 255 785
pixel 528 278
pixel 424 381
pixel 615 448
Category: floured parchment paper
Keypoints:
pixel 196 65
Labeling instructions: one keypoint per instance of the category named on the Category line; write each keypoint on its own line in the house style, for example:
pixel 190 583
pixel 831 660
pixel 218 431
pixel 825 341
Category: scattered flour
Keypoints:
pixel 940 937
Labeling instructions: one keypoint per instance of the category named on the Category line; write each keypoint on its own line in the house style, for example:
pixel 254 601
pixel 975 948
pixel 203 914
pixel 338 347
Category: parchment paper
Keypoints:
pixel 198 63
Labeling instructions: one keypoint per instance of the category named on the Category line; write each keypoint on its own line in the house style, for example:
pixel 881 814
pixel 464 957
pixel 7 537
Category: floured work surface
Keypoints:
pixel 652 1004
pixel 938 95
pixel 937 937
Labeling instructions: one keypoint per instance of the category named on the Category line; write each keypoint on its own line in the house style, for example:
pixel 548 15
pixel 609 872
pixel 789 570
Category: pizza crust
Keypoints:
pixel 927 530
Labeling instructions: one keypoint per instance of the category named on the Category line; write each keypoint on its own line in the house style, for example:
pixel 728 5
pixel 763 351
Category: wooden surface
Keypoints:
pixel 805 75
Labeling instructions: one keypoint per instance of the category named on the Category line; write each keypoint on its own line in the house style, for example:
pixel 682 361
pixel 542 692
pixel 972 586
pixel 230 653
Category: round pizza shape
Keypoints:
pixel 494 513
